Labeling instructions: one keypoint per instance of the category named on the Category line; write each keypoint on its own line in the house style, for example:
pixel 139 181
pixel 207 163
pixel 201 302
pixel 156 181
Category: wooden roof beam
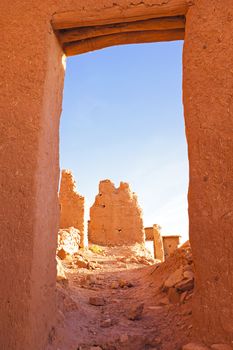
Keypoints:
pixel 83 46
pixel 166 23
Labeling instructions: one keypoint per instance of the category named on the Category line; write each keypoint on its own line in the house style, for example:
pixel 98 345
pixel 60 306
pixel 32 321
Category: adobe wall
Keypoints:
pixel 115 217
pixel 71 205
pixel 158 243
pixel 32 75
pixel 149 233
pixel 153 234
pixel 164 246
pixel 170 244
pixel 208 107
pixel 30 102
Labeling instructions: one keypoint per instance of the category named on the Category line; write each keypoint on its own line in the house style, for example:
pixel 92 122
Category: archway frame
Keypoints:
pixel 31 101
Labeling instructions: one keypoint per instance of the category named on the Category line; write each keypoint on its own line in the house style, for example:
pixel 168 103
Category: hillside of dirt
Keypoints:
pixel 122 299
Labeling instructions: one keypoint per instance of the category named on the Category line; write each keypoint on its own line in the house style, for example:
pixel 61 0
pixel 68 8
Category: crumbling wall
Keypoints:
pixel 149 237
pixel 149 233
pixel 158 243
pixel 115 217
pixel 170 244
pixel 71 205
pixel 164 246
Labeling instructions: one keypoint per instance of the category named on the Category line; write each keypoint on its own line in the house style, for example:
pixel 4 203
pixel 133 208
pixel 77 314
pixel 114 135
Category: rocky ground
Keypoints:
pixel 121 299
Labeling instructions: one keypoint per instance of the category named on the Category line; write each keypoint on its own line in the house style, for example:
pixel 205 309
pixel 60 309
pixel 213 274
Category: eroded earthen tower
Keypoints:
pixel 71 205
pixel 115 217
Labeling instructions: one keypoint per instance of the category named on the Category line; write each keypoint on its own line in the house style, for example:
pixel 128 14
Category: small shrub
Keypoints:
pixel 96 249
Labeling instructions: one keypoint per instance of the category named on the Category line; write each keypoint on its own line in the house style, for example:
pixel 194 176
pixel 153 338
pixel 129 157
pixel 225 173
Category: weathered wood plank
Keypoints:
pixel 118 14
pixel 165 23
pixel 83 46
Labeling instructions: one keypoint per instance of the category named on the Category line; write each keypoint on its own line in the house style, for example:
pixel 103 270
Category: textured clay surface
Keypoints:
pixel 208 106
pixel 115 217
pixel 32 74
pixel 149 233
pixel 71 205
pixel 170 244
pixel 158 243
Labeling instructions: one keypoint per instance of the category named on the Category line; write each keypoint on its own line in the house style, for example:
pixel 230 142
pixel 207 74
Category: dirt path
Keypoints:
pixel 121 285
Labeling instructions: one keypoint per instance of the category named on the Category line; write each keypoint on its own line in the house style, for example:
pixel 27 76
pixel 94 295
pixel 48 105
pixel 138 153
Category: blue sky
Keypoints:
pixel 123 120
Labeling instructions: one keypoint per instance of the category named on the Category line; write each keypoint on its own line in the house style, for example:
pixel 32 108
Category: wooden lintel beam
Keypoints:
pixel 83 46
pixel 165 23
pixel 117 14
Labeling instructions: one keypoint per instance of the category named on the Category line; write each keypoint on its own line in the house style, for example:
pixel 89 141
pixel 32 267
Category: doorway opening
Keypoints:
pixel 122 123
